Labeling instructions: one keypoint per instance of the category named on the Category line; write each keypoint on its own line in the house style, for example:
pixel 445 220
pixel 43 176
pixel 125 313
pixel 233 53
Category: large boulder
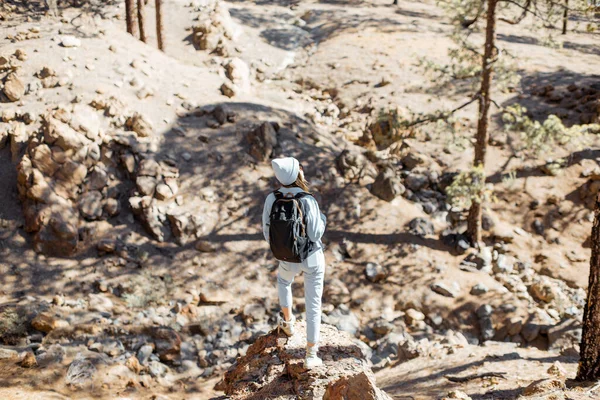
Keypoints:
pixel 261 141
pixel 14 88
pixel 273 368
pixel 387 185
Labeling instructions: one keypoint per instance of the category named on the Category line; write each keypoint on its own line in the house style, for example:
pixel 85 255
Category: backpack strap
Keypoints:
pixel 302 194
pixel 303 207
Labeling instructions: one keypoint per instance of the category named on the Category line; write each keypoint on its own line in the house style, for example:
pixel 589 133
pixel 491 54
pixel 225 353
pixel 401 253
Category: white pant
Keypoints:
pixel 314 273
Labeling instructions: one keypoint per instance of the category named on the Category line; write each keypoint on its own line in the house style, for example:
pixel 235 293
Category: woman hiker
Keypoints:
pixel 293 226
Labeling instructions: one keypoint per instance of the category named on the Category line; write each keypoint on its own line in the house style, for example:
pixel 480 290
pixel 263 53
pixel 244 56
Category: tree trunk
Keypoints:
pixel 130 17
pixel 474 218
pixel 565 17
pixel 141 20
pixel 159 25
pixel 589 362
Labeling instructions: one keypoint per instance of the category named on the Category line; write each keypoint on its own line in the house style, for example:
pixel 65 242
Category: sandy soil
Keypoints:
pixel 349 46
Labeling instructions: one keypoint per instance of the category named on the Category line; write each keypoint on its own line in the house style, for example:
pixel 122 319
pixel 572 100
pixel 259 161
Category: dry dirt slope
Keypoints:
pixel 374 230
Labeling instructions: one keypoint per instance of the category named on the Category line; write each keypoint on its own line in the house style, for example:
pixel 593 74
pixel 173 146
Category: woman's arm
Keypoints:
pixel 315 220
pixel 266 214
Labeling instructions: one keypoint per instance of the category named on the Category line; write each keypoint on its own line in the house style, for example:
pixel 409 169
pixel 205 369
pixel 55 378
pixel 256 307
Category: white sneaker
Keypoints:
pixel 286 326
pixel 312 360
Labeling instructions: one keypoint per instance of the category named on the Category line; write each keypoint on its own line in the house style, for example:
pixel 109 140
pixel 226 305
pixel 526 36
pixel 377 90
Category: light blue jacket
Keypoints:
pixel 315 219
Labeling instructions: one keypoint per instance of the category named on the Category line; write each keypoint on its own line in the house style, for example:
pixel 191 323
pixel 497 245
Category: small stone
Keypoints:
pixel 102 286
pixel 111 207
pixel 58 300
pixel 375 272
pixel 382 327
pixel 544 290
pixel 90 205
pixel 144 353
pixel 557 369
pixel 416 182
pixel 167 343
pixel 80 372
pixel 164 192
pixel 14 88
pixel 479 289
pixel 21 55
pixel 157 369
pixel 411 316
pixel 146 185
pixel 133 364
pixel 70 41
pixel 229 89
pixel 140 125
pixel 538 227
pixel 457 394
pixel 205 246
pixel 514 326
pixel 107 245
pixel 413 160
pixel 504 264
pixel 445 290
pixel 421 227
pixel 45 323
pixel 220 114
pixel 29 360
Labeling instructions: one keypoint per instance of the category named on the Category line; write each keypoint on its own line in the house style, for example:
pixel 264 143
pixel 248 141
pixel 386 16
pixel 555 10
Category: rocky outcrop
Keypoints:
pixel 214 29
pixel 273 368
pixel 77 168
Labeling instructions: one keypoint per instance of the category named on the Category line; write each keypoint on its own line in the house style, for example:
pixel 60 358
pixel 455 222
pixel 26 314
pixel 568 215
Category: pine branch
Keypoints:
pixel 441 115
pixel 520 18
pixel 468 22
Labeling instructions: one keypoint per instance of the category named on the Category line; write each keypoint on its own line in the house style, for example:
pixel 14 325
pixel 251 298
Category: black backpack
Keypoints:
pixel 287 232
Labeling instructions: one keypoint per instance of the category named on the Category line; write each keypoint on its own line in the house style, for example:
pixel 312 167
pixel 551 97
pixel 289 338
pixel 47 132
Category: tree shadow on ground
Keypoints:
pixel 540 107
pixel 593 49
pixel 419 14
pixel 321 25
pixel 411 384
pixel 536 170
pixel 36 9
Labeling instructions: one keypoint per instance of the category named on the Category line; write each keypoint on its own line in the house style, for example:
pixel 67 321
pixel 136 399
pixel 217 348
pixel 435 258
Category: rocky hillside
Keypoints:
pixel 133 263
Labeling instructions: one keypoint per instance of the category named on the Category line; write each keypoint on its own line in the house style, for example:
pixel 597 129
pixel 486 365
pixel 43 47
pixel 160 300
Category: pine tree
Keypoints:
pixel 589 362
pixel 565 17
pixel 159 26
pixel 141 20
pixel 489 55
pixel 130 17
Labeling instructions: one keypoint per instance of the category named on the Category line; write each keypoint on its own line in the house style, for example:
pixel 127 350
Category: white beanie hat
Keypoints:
pixel 286 169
